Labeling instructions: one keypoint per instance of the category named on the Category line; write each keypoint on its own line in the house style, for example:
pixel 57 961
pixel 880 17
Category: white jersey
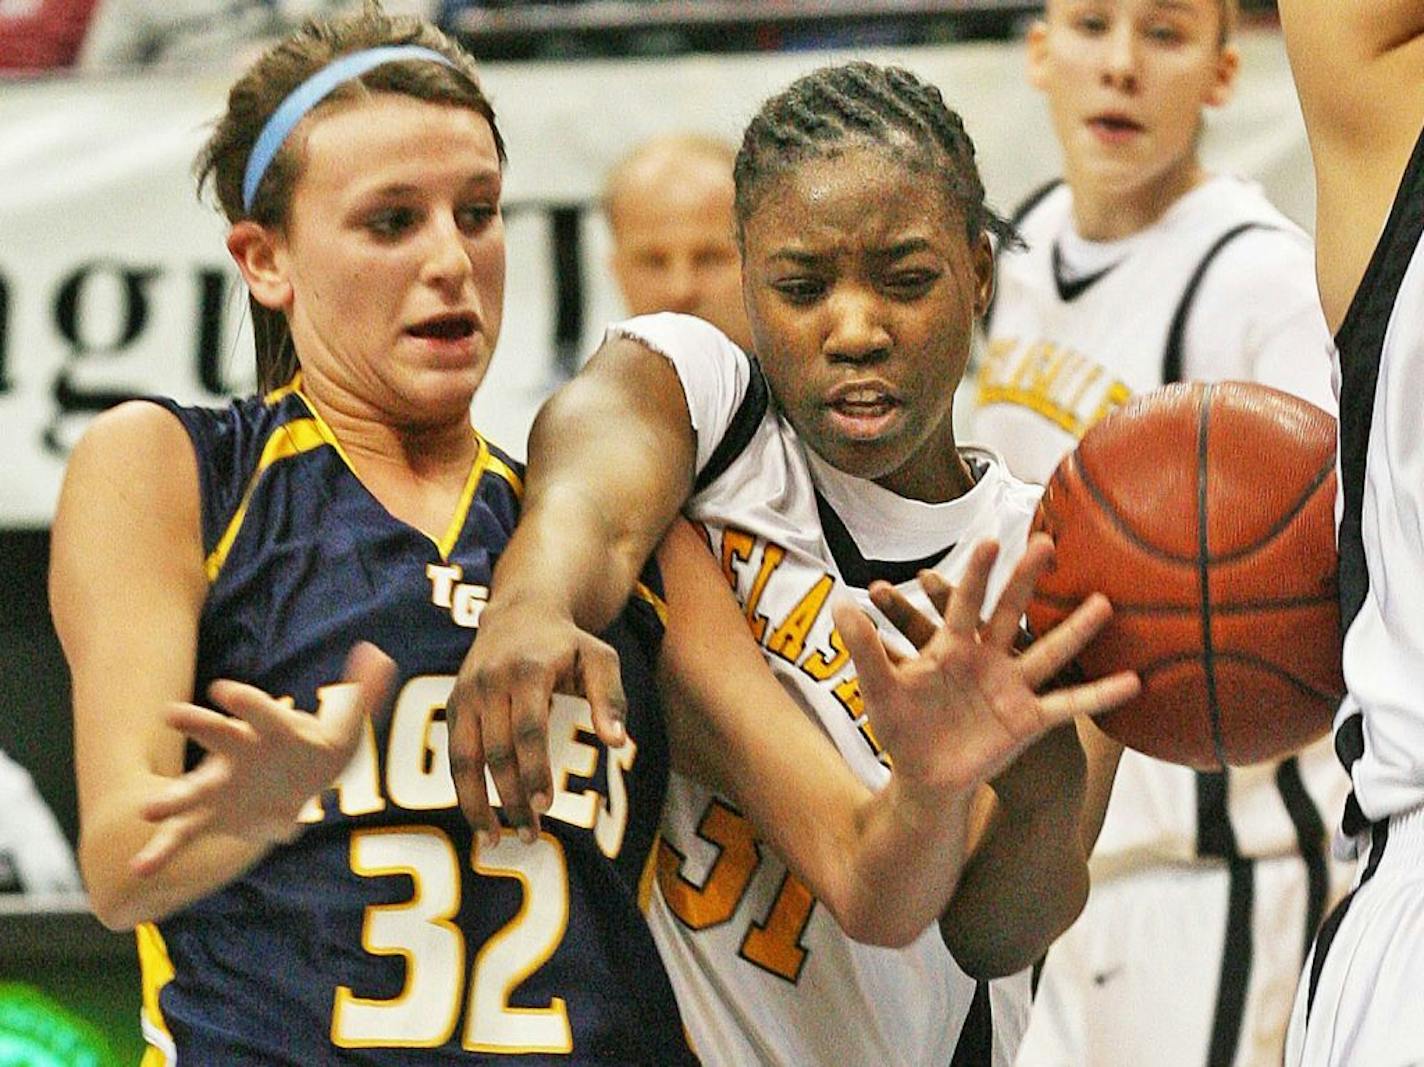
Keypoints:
pixel 1381 511
pixel 1221 287
pixel 1358 1001
pixel 763 974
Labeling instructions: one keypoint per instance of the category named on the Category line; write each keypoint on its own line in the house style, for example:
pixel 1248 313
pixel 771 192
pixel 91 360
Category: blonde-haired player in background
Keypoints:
pixel 669 207
pixel 1359 68
pixel 1142 267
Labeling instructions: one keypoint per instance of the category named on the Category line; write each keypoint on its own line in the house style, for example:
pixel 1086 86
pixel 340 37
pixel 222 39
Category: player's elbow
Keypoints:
pixel 114 908
pixel 996 945
pixel 117 899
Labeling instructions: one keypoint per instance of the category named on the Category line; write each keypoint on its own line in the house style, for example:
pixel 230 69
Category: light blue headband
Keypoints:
pixel 312 92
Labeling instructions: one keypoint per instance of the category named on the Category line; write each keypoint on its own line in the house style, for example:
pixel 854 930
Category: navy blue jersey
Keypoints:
pixel 380 935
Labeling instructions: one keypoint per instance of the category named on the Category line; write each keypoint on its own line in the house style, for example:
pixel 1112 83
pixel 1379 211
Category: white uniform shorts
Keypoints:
pixel 1184 965
pixel 1361 998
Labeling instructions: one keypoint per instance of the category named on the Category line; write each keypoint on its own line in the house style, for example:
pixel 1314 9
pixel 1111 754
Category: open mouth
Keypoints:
pixel 863 403
pixel 453 327
pixel 1115 125
pixel 863 411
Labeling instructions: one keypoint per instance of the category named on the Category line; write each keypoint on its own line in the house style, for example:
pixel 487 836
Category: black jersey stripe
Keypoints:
pixel 1236 959
pixel 855 568
pixel 1379 836
pixel 975 1047
pixel 1361 343
pixel 1026 205
pixel 858 570
pixel 1310 838
pixel 740 431
pixel 1176 334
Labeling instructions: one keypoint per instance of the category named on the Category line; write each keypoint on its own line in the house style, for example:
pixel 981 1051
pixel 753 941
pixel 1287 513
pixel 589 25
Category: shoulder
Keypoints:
pixel 1261 272
pixel 132 478
pixel 715 374
pixel 137 437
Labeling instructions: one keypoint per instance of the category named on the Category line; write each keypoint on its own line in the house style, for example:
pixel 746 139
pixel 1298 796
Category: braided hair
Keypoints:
pixel 834 108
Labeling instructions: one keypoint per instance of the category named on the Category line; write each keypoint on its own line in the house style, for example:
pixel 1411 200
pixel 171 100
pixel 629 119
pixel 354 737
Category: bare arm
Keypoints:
pixel 950 718
pixel 1026 878
pixel 611 460
pixel 154 838
pixel 128 525
pixel 1357 66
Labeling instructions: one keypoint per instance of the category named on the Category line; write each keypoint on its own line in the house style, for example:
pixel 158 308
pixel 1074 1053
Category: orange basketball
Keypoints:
pixel 1205 513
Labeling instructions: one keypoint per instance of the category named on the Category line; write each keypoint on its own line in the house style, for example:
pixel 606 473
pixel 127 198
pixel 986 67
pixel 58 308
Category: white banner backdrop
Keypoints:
pixel 114 281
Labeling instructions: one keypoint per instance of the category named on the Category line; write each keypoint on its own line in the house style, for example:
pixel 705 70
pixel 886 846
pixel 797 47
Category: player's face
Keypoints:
pixel 863 289
pixel 394 255
pixel 1126 81
pixel 675 250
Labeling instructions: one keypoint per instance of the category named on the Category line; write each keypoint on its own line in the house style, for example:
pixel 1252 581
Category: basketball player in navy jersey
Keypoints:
pixel 1140 267
pixel 866 260
pixel 1358 69
pixel 235 555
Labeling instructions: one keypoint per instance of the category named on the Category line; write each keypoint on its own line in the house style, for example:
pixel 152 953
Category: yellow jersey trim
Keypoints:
pixel 446 544
pixel 304 435
pixel 649 875
pixel 277 394
pixel 642 592
pixel 291 439
pixel 155 971
pixel 501 469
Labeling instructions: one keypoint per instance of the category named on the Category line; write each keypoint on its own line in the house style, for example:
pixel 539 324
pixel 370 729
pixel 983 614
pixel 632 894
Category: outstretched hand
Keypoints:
pixel 962 710
pixel 498 710
pixel 264 759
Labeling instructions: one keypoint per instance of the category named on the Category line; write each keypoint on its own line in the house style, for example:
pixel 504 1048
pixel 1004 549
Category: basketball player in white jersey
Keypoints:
pixel 1359 68
pixel 1139 268
pixel 866 260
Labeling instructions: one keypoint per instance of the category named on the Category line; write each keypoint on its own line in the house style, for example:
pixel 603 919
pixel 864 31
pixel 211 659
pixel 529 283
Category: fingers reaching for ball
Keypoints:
pixel 968 704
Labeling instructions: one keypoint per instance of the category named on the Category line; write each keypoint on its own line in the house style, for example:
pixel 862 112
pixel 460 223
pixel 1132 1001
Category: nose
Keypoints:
pixel 1120 69
pixel 680 286
pixel 856 330
pixel 447 260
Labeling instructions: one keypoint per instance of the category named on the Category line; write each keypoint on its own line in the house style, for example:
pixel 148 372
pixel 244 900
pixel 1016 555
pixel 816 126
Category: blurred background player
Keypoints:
pixel 35 857
pixel 866 259
pixel 669 207
pixel 1142 267
pixel 1358 70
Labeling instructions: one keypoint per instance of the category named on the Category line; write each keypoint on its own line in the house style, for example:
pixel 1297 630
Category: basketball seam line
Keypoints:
pixel 1148 608
pixel 1262 664
pixel 1204 571
pixel 1120 524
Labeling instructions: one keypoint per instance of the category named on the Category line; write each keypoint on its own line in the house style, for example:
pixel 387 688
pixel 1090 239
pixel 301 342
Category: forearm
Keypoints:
pixel 1027 877
pixel 610 464
pixel 572 555
pixel 122 898
pixel 1021 888
pixel 1102 755
pixel 903 861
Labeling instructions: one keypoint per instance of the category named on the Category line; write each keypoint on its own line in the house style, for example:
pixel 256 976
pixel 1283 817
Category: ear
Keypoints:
pixel 257 251
pixel 1036 50
pixel 1228 63
pixel 983 254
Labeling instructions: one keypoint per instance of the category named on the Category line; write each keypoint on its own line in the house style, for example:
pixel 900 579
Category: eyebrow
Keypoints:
pixel 899 250
pixel 482 178
pixel 1176 5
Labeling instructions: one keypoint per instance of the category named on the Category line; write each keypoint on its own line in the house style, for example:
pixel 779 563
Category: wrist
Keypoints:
pixel 924 806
